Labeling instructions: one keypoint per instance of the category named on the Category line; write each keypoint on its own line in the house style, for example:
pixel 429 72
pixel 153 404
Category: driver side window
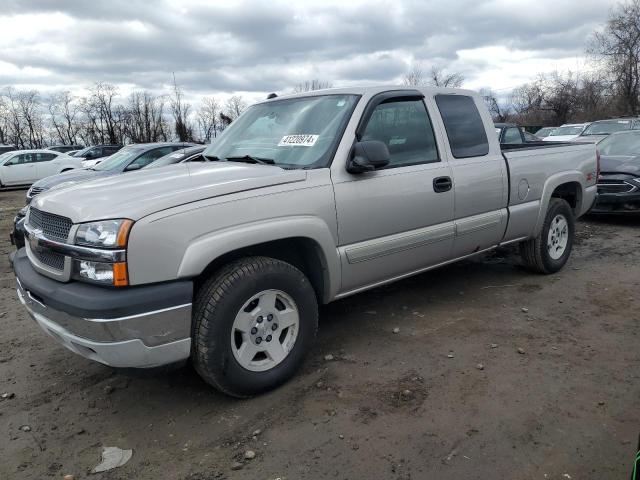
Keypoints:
pixel 404 126
pixel 22 159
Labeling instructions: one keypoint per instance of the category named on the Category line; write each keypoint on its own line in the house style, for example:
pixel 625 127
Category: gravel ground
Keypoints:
pixel 492 373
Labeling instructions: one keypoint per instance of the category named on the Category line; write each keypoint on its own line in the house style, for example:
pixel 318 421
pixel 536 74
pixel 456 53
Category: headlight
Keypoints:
pixel 114 274
pixel 104 234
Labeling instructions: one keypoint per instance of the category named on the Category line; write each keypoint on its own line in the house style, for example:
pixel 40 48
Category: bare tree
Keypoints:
pixel 438 77
pixel 103 103
pixel 310 85
pixel 499 112
pixel 64 112
pixel 234 106
pixel 414 77
pixel 618 44
pixel 144 118
pixel 208 119
pixel 180 111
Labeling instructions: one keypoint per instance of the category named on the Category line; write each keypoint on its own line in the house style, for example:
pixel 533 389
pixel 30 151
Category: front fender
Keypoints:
pixel 204 250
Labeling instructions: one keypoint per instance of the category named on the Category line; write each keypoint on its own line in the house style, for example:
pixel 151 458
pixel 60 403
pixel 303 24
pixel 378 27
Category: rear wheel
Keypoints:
pixel 550 250
pixel 254 320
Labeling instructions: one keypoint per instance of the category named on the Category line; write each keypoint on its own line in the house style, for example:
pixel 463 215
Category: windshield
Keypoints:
pixel 566 131
pixel 622 144
pixel 119 160
pixel 295 133
pixel 607 127
pixel 6 155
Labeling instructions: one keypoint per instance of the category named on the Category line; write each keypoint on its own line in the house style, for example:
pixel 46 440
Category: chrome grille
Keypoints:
pixel 51 259
pixel 54 227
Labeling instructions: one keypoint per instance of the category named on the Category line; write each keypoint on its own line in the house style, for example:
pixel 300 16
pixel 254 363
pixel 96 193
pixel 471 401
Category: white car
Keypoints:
pixel 566 132
pixel 23 167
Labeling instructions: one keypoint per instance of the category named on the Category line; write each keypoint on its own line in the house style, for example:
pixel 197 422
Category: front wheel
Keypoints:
pixel 254 320
pixel 550 250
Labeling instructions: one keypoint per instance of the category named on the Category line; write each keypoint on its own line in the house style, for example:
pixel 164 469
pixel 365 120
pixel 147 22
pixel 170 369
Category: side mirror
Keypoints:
pixel 367 156
pixel 132 167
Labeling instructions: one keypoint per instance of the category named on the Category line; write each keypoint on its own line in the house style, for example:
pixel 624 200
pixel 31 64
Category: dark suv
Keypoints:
pixel 65 148
pixel 97 151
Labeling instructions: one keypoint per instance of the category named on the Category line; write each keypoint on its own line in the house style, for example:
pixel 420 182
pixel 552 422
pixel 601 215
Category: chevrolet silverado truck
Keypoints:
pixel 307 199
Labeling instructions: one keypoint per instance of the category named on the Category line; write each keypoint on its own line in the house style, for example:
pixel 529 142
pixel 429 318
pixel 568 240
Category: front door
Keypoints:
pixel 399 219
pixel 20 169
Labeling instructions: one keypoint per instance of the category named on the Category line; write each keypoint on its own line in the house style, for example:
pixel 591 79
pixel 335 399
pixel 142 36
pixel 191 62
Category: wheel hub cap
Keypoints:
pixel 265 330
pixel 558 237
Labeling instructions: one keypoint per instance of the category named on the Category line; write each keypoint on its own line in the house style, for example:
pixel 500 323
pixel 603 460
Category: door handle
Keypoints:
pixel 442 184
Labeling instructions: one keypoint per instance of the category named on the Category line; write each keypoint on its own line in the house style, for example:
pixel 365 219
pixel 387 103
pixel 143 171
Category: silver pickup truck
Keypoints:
pixel 309 198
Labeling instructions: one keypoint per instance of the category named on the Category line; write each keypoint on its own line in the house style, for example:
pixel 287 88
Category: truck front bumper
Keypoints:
pixel 135 327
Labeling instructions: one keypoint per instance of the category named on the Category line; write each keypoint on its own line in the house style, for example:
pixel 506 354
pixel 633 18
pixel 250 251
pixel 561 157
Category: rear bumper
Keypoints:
pixel 138 327
pixel 617 203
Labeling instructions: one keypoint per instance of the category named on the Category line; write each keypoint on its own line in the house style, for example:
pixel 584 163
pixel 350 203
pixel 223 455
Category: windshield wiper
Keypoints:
pixel 252 159
pixel 212 158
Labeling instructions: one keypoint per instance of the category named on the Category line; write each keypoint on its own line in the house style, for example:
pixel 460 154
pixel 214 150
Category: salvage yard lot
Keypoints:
pixel 384 405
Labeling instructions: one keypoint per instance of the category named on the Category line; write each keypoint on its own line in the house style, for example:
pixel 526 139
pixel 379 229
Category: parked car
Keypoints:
pixel 599 130
pixel 65 148
pixel 23 167
pixel 619 179
pixel 311 198
pixel 129 158
pixel 544 132
pixel 566 132
pixel 93 155
pixel 190 154
pixel 7 148
pixel 510 133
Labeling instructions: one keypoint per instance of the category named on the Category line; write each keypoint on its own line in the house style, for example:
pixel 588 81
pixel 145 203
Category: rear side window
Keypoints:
pixel 465 130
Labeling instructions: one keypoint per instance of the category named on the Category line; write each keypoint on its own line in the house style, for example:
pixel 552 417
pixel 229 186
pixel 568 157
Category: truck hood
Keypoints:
pixel 138 194
pixel 629 164
pixel 70 178
pixel 589 138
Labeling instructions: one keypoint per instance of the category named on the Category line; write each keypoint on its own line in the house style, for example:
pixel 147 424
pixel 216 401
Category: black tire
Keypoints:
pixel 534 252
pixel 216 305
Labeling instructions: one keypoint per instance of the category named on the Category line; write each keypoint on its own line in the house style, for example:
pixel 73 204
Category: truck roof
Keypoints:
pixel 373 90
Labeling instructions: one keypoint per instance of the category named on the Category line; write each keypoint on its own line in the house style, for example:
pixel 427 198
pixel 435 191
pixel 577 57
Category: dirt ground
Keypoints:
pixel 408 405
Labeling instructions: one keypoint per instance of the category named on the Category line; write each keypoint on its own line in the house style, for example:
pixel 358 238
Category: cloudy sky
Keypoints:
pixel 253 47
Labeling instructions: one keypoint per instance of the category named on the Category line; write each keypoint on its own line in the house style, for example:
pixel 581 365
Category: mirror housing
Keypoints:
pixel 132 167
pixel 368 155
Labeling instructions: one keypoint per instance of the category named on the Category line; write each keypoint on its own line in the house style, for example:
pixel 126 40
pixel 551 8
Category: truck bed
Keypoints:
pixel 531 166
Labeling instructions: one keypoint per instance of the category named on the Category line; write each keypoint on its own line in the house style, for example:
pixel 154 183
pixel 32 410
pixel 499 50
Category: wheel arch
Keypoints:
pixel 567 186
pixel 306 243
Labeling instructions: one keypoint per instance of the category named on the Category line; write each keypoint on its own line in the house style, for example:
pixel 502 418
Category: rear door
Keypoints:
pixel 20 170
pixel 45 164
pixel 398 219
pixel 479 173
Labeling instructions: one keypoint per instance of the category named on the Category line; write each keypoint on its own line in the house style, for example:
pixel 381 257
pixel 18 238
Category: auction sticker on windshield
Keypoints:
pixel 298 141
